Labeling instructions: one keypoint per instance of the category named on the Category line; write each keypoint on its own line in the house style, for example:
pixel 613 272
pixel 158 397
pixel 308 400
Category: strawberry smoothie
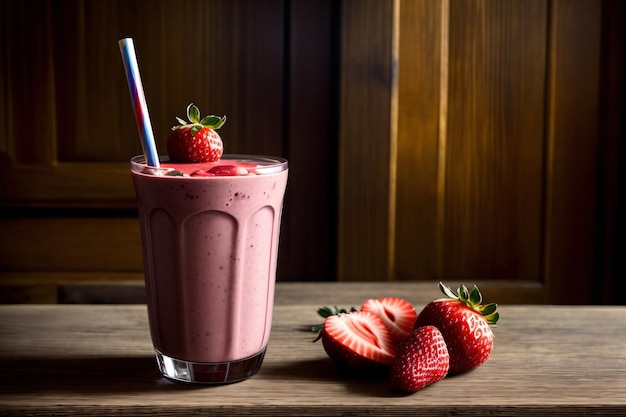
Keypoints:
pixel 210 243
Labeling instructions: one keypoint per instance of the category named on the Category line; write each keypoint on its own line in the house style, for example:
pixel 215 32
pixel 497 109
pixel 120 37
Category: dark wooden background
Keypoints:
pixel 474 141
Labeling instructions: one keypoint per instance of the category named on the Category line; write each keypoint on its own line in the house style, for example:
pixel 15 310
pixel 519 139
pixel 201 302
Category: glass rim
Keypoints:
pixel 266 164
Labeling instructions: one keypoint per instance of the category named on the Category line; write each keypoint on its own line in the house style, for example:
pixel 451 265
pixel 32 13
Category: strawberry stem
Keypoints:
pixel 473 300
pixel 197 124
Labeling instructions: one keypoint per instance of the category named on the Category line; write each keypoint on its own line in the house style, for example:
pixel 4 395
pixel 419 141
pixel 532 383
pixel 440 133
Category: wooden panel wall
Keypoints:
pixel 494 140
pixel 573 196
pixel 490 167
pixel 452 140
pixel 68 210
pixel 365 148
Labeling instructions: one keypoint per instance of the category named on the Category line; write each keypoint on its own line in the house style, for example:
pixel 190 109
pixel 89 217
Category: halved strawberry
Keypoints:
pixel 422 359
pixel 398 315
pixel 358 340
pixel 196 141
pixel 464 324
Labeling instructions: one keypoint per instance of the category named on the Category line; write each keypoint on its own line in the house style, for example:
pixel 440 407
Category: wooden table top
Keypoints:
pixel 97 359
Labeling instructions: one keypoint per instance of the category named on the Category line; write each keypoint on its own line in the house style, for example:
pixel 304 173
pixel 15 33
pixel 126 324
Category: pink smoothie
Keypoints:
pixel 210 251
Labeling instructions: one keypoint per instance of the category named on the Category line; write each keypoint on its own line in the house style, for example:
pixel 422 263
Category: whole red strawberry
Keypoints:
pixel 358 340
pixel 397 313
pixel 464 324
pixel 196 141
pixel 421 359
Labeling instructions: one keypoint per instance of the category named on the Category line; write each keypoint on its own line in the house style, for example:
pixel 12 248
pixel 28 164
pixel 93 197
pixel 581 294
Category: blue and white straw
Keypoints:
pixel 138 98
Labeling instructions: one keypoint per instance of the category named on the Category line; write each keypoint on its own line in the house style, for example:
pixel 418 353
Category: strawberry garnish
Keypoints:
pixel 464 324
pixel 358 340
pixel 221 171
pixel 398 315
pixel 196 140
pixel 422 359
pixel 228 170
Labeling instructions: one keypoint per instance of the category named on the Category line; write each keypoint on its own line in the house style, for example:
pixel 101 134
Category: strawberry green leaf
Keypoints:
pixel 463 293
pixel 325 311
pixel 488 309
pixel 214 122
pixel 193 113
pixel 447 291
pixel 317 328
pixel 181 121
pixel 475 297
pixel 493 318
pixel 328 311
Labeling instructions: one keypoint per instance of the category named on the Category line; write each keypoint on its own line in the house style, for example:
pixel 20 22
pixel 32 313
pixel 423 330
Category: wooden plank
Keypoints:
pixel 45 287
pixel 470 166
pixel 613 128
pixel 364 134
pixel 495 140
pixel 353 293
pixel 70 244
pixel 29 91
pixel 573 129
pixel 420 135
pixel 55 278
pixel 309 222
pixel 67 184
pixel 102 293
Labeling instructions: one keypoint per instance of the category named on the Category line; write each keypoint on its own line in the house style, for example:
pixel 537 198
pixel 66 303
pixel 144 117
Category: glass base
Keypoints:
pixel 209 373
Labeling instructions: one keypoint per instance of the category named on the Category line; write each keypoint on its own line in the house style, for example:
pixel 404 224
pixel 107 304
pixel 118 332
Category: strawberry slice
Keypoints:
pixel 358 340
pixel 228 170
pixel 397 314
pixel 422 359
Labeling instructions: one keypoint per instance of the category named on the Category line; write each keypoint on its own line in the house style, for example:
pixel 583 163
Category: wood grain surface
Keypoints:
pixel 83 359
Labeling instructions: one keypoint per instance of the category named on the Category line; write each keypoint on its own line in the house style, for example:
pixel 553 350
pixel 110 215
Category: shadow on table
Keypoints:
pixel 138 374
pixel 84 375
pixel 323 370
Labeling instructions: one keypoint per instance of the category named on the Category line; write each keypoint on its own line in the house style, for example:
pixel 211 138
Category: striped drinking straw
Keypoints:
pixel 127 48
